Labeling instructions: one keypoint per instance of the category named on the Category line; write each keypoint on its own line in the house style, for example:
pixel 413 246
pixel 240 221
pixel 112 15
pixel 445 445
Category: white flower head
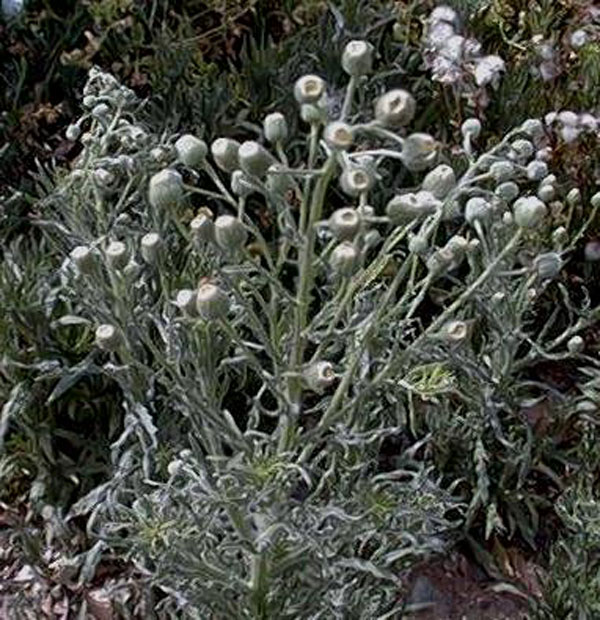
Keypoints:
pixel 488 70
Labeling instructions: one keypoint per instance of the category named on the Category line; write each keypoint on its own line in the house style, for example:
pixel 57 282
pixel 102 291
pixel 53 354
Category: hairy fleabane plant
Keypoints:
pixel 278 313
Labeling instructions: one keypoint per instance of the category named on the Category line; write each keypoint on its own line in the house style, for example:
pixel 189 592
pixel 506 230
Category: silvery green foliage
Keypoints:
pixel 289 369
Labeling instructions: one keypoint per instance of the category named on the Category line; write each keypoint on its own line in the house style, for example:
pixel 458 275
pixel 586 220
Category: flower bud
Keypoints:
pixel 455 331
pixel 575 345
pixel 117 255
pixel 537 170
pixel 560 237
pixel 547 265
pixel 165 189
pixel 395 108
pixel 319 376
pixel 225 154
pixel 419 151
pixel 275 127
pixel 439 262
pixel 108 337
pixel 471 128
pixel 344 223
pixel 357 58
pixel 523 149
pixel 418 244
pixel 104 178
pixel 254 159
pixel 202 227
pixel 241 184
pixel 544 154
pixel 100 111
pixel 546 192
pixel 502 171
pixel 191 151
pixel 508 191
pixel 591 251
pixel 230 233
pixel 309 89
pixel 344 259
pixel 186 301
pixel 410 206
pixel 73 132
pixel 83 258
pixel 529 211
pixel 212 302
pixel 440 181
pixel 574 196
pixel 579 38
pixel 478 209
pixel 149 247
pixel 507 218
pixel 355 181
pixel 313 114
pixel 338 135
pixel 533 127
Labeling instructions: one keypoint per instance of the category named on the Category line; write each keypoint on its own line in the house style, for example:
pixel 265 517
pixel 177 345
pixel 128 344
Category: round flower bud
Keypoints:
pixel 212 302
pixel 149 247
pixel 544 154
pixel 356 181
pixel 230 233
pixel 498 297
pixel 502 171
pixel 174 467
pixel 202 227
pixel 574 196
pixel 309 89
pixel 440 181
pixel 419 151
pixel 338 135
pixel 591 251
pixel 537 170
pixel 418 244
pixel 395 108
pixel 579 38
pixel 407 207
pixel 191 151
pixel 73 132
pixel 186 301
pixel 548 265
pixel 117 255
pixel 529 211
pixel 344 259
pixel 508 191
pixel 108 337
pixel 241 184
pixel 560 236
pixel 471 128
pixel 507 218
pixel 104 178
pixel 319 376
pixel 344 223
pixel 575 345
pixel 313 114
pixel 275 127
pixel 254 159
pixel 546 192
pixel 478 209
pixel 83 258
pixel 439 262
pixel 100 111
pixel 357 58
pixel 533 127
pixel 455 331
pixel 595 200
pixel 225 154
pixel 89 101
pixel 165 189
pixel 523 149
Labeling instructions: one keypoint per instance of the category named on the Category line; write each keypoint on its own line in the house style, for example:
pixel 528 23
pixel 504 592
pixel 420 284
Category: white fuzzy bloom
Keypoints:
pixel 309 89
pixel 488 70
